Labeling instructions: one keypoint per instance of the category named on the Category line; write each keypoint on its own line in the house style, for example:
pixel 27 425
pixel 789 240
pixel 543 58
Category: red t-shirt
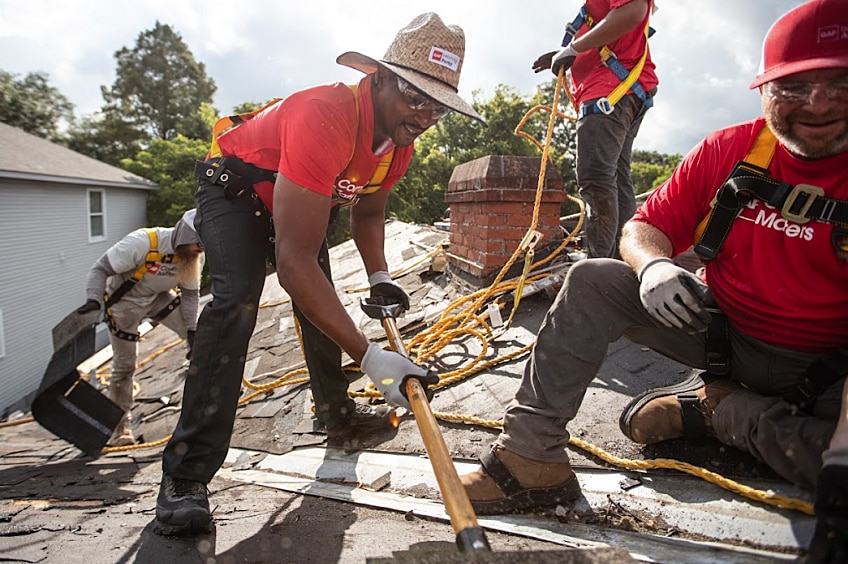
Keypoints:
pixel 589 77
pixel 318 140
pixel 778 281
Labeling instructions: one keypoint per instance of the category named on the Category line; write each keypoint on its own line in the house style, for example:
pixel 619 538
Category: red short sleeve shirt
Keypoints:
pixel 319 138
pixel 590 79
pixel 778 281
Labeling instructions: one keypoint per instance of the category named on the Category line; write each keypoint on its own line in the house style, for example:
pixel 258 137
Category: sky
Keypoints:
pixel 706 51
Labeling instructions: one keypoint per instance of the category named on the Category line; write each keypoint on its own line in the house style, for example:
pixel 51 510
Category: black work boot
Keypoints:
pixel 364 418
pixel 182 508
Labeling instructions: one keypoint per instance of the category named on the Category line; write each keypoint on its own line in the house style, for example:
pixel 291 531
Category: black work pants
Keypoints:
pixel 238 236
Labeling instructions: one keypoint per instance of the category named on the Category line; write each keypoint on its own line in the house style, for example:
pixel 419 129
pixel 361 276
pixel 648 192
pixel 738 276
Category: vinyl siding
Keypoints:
pixel 44 260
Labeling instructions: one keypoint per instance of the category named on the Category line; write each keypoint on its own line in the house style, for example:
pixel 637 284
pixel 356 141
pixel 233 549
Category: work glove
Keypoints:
pixel 830 539
pixel 190 341
pixel 564 58
pixel 89 305
pixel 674 296
pixel 390 370
pixel 384 291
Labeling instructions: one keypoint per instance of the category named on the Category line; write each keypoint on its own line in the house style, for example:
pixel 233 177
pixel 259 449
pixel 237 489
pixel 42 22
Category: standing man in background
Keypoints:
pixel 613 83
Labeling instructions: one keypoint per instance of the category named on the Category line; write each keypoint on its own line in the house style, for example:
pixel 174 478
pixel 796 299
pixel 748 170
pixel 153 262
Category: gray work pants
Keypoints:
pixel 604 148
pixel 127 317
pixel 599 303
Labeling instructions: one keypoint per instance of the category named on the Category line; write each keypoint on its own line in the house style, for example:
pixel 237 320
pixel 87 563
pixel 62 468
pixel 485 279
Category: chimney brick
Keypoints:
pixel 491 207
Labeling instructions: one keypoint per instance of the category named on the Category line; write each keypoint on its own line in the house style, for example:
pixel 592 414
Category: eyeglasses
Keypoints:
pixel 798 91
pixel 419 101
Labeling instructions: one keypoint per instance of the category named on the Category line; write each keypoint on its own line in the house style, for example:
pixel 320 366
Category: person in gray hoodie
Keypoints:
pixel 152 273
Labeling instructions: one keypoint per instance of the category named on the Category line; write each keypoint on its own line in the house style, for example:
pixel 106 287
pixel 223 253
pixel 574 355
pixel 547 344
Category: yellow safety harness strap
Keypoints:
pixel 153 256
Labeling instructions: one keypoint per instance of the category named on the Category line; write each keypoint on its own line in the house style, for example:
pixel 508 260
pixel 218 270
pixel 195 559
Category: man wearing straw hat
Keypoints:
pixel 268 190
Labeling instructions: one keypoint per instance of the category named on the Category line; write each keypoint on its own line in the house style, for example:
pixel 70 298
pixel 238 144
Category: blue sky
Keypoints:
pixel 706 52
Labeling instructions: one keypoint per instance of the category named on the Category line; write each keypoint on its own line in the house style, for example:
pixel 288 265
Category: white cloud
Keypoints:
pixel 706 52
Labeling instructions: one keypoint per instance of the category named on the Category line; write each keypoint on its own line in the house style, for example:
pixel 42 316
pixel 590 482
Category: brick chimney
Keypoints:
pixel 491 208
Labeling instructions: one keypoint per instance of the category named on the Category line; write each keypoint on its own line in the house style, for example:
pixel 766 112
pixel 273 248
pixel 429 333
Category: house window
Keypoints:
pixel 2 337
pixel 96 215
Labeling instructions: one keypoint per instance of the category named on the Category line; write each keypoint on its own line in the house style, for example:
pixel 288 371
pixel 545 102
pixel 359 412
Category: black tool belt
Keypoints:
pixel 819 376
pixel 233 174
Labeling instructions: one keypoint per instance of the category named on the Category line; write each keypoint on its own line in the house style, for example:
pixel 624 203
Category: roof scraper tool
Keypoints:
pixel 67 406
pixel 470 537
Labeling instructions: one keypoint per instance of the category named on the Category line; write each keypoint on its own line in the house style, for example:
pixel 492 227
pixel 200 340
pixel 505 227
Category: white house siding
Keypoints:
pixel 45 255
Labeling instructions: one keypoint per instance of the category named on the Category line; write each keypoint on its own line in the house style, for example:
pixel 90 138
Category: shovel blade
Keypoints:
pixel 71 408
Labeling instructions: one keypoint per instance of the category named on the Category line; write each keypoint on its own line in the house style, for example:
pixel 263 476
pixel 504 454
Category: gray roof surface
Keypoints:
pixel 374 496
pixel 23 155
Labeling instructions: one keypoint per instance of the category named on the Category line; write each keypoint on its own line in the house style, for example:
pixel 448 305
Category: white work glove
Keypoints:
pixel 389 371
pixel 386 291
pixel 564 58
pixel 674 296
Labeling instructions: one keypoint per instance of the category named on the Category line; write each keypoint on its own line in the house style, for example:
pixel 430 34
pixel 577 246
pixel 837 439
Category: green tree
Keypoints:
pixel 159 85
pixel 106 136
pixel 170 164
pixel 649 169
pixel 33 105
pixel 420 195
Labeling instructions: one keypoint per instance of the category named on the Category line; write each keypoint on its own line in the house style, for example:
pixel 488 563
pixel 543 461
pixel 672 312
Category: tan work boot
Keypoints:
pixel 508 482
pixel 683 409
pixel 123 436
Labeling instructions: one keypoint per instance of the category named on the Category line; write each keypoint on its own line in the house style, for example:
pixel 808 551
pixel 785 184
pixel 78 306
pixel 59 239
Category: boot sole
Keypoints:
pixel 691 384
pixel 167 525
pixel 530 498
pixel 198 526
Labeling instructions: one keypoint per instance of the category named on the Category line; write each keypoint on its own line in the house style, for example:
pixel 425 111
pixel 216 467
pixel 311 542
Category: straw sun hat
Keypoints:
pixel 426 53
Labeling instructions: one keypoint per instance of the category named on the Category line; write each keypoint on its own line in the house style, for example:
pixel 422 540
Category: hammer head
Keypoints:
pixel 377 308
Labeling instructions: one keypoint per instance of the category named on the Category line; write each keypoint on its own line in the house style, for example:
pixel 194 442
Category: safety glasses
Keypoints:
pixel 418 101
pixel 798 91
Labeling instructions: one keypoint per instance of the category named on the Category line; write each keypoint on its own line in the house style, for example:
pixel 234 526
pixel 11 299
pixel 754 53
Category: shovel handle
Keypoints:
pixel 469 535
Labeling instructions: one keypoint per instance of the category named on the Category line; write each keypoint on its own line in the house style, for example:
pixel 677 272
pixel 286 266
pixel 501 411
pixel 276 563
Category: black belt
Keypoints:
pixel 233 174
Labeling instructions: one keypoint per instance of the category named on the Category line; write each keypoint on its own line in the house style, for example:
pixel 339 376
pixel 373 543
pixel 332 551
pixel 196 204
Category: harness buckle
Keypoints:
pixel 604 106
pixel 810 192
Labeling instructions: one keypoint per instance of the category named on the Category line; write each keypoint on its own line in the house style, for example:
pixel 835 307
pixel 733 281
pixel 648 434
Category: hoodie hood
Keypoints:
pixel 184 233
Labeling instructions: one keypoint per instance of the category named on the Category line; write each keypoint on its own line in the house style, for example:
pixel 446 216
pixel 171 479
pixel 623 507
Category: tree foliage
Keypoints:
pixel 31 104
pixel 159 85
pixel 649 169
pixel 170 164
pixel 420 195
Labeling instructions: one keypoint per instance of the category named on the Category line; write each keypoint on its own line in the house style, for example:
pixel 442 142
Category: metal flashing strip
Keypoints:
pixel 704 510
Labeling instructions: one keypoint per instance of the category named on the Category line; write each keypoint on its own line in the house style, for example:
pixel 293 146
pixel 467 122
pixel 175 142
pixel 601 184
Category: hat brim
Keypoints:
pixel 435 89
pixel 832 62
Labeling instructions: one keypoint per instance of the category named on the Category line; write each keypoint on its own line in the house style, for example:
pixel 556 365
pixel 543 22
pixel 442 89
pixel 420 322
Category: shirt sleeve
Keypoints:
pixel 318 137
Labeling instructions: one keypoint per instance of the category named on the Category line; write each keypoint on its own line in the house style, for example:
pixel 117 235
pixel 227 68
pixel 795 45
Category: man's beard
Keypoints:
pixel 188 270
pixel 811 149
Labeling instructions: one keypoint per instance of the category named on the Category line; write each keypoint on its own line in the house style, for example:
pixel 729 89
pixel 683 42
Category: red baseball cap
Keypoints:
pixel 812 36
